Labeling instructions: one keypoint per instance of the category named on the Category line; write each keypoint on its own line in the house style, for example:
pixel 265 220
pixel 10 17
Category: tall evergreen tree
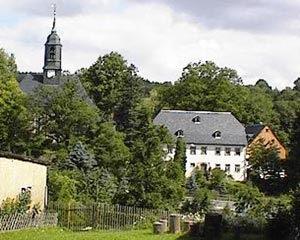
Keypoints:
pixel 151 181
pixel 180 153
pixel 79 158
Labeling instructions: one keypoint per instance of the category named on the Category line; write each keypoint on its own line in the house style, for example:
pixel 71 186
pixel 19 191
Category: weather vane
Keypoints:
pixel 54 16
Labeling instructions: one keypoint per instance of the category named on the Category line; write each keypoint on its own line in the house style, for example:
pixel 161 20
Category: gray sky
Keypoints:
pixel 258 38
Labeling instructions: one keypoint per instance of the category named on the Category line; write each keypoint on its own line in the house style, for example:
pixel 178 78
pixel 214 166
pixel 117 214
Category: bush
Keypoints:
pixel 19 205
pixel 248 224
pixel 201 202
pixel 279 226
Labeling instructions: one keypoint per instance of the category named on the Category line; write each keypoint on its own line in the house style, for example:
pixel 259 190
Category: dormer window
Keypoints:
pixel 179 133
pixel 196 119
pixel 217 134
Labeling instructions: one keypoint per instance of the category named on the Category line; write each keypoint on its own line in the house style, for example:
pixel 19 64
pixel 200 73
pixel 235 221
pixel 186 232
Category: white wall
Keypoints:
pixel 211 159
pixel 17 174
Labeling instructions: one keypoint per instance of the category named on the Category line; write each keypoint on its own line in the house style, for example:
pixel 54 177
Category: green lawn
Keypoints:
pixel 59 234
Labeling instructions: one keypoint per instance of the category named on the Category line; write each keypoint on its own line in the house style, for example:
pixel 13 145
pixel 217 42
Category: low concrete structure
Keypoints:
pixel 18 173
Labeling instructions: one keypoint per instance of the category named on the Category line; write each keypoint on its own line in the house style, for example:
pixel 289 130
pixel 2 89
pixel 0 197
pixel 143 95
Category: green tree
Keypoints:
pixel 110 150
pixel 62 188
pixel 247 198
pixel 218 180
pixel 79 158
pixel 180 153
pixel 14 122
pixel 114 86
pixel 101 186
pixel 293 163
pixel 261 83
pixel 200 204
pixel 287 105
pixel 150 183
pixel 61 118
pixel 266 167
pixel 207 87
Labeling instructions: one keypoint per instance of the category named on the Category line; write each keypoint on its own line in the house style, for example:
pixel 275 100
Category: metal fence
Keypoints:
pixel 20 221
pixel 96 216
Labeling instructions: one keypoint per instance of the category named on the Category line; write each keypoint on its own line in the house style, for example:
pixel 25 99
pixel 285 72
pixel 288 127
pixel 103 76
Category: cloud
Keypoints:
pixel 250 15
pixel 159 37
pixel 64 7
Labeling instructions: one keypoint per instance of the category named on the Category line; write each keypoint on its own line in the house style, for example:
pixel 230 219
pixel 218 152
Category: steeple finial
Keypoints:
pixel 54 16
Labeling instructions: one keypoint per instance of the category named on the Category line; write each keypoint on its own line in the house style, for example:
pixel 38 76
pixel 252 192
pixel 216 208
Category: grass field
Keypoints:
pixel 59 234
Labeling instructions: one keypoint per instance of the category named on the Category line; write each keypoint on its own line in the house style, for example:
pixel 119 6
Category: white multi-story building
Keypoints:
pixel 213 140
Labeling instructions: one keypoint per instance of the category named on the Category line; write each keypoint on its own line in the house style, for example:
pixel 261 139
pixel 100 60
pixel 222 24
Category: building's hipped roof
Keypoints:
pixel 203 130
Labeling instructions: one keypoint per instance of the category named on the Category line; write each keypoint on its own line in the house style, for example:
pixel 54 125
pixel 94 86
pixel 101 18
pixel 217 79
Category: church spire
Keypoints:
pixel 52 60
pixel 54 17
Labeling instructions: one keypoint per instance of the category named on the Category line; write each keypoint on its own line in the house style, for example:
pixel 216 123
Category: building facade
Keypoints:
pixel 18 174
pixel 213 140
pixel 258 132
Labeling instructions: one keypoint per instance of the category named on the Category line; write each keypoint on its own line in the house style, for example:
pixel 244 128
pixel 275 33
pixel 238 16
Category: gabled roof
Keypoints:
pixel 203 132
pixel 9 155
pixel 253 130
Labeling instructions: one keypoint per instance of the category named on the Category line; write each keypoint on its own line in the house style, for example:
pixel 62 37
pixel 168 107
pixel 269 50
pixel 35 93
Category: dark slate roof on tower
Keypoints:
pixel 53 38
pixel 253 130
pixel 207 128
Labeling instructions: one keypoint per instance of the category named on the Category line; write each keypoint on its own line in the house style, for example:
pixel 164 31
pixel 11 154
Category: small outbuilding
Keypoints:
pixel 18 174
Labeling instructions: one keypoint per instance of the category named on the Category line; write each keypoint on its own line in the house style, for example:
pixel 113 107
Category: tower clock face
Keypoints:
pixel 50 73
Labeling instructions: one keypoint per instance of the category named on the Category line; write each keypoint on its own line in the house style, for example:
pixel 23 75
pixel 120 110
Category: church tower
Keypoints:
pixel 52 60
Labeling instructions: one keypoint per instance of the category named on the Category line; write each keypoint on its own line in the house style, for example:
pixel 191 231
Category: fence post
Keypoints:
pixel 165 224
pixel 174 223
pixel 69 215
pixel 158 228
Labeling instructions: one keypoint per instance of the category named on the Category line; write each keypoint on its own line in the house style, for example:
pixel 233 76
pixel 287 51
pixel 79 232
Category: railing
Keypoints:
pixel 98 216
pixel 20 221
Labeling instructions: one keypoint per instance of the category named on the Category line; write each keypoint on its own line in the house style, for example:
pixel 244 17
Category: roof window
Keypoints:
pixel 196 119
pixel 179 133
pixel 217 134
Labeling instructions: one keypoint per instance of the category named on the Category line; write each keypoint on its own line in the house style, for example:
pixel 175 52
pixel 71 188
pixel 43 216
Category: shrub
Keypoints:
pixel 19 205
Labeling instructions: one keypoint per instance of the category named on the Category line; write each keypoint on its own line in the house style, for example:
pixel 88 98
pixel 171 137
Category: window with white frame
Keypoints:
pixel 218 165
pixel 237 151
pixel 237 168
pixel 170 149
pixel 227 168
pixel 203 150
pixel 192 164
pixel 193 150
pixel 227 151
pixel 218 151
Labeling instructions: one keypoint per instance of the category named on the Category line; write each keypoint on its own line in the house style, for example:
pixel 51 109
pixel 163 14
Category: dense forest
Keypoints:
pixel 108 149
